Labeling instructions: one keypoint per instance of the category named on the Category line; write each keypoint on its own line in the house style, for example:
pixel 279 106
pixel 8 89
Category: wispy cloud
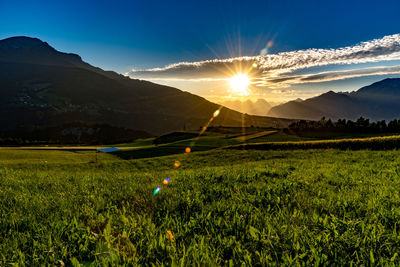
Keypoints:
pixel 276 70
pixel 320 77
pixel 335 75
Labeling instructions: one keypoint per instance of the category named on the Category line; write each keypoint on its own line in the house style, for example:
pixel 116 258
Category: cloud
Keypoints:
pixel 336 75
pixel 283 91
pixel 276 69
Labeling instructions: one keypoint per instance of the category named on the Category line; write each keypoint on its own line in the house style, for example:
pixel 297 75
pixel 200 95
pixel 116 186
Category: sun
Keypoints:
pixel 240 84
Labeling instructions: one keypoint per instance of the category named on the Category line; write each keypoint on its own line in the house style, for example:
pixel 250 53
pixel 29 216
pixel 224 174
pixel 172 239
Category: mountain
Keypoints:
pixel 378 101
pixel 41 86
pixel 259 107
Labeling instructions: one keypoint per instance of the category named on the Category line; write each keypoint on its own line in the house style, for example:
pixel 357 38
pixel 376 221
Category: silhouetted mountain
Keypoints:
pixel 383 89
pixel 378 101
pixel 42 86
pixel 260 107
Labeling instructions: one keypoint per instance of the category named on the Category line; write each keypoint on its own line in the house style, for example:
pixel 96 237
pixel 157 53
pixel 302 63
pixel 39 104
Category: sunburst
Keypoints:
pixel 240 84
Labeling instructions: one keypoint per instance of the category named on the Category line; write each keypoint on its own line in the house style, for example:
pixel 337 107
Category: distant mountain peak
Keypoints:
pixel 329 93
pixel 24 42
pixel 388 87
pixel 385 82
pixel 19 39
pixel 33 50
pixel 376 101
pixel 262 101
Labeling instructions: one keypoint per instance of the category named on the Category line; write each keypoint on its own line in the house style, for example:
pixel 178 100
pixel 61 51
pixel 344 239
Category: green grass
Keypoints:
pixel 136 143
pixel 334 135
pixel 203 143
pixel 223 207
pixel 279 136
pixel 248 137
pixel 373 143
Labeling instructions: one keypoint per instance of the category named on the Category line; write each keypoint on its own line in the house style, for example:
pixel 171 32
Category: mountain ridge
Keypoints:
pixel 42 86
pixel 377 101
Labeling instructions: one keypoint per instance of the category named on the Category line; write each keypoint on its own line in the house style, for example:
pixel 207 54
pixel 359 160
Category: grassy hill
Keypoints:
pixel 221 207
pixel 253 196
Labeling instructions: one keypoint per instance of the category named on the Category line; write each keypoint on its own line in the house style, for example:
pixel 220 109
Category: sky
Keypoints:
pixel 288 49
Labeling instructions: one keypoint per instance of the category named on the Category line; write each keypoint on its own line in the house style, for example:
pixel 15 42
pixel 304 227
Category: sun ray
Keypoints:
pixel 240 85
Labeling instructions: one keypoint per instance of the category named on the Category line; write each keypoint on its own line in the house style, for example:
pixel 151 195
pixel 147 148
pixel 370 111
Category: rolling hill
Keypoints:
pixel 42 86
pixel 378 101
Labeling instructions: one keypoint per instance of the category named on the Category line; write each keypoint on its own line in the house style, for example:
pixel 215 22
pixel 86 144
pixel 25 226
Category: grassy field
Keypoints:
pixel 221 207
pixel 372 143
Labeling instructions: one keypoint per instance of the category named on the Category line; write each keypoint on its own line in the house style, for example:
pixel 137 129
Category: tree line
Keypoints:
pixel 343 125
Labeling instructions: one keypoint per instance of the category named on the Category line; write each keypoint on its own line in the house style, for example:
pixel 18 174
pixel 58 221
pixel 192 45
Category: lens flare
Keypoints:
pixel 254 65
pixel 265 50
pixel 177 164
pixel 166 180
pixel 170 236
pixel 216 113
pixel 188 150
pixel 155 191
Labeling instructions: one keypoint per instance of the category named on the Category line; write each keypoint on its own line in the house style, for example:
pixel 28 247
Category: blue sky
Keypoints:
pixel 126 35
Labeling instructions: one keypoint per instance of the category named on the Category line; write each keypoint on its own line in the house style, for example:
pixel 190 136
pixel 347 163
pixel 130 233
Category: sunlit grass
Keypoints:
pixel 221 207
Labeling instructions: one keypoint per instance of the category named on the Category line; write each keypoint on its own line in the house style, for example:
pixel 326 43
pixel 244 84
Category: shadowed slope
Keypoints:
pixel 41 86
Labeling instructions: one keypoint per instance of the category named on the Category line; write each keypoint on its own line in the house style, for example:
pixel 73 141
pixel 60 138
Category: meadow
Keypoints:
pixel 221 207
